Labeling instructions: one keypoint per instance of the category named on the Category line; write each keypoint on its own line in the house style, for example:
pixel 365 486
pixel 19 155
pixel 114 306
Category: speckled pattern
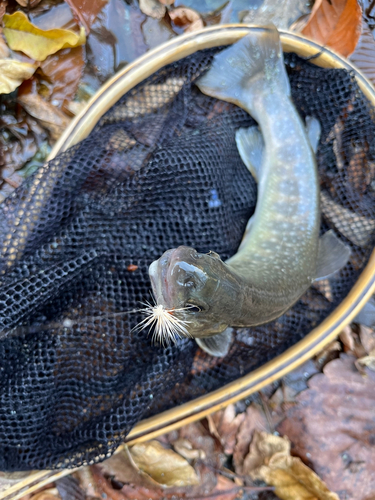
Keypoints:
pixel 160 170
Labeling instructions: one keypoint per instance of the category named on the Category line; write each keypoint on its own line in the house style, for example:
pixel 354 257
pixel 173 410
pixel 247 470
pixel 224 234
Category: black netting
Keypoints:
pixel 161 169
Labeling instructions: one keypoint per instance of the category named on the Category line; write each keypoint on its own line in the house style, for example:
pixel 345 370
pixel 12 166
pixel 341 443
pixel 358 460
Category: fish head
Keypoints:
pixel 199 288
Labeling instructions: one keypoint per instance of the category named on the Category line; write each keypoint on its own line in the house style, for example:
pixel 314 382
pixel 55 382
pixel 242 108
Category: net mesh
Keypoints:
pixel 160 169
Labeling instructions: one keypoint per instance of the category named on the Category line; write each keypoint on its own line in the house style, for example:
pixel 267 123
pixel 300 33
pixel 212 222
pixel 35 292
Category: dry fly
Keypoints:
pixel 167 327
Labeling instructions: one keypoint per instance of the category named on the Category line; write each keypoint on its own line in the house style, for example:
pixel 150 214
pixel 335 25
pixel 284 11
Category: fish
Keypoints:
pixel 281 253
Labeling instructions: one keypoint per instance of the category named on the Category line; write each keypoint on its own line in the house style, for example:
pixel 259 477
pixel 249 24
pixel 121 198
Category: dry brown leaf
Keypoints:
pixel 152 8
pixel 103 489
pixel 184 448
pixel 333 426
pixel 163 465
pixel 200 438
pixel 188 19
pixel 50 117
pixel 13 73
pixel 86 11
pixel 269 460
pixel 367 337
pixel 255 419
pixel 226 423
pixel 22 35
pixel 329 352
pixel 335 23
pixel 49 494
pixel 64 71
pixel 122 467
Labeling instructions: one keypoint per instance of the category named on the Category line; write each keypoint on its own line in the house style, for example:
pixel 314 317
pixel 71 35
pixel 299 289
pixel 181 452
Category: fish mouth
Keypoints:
pixel 160 272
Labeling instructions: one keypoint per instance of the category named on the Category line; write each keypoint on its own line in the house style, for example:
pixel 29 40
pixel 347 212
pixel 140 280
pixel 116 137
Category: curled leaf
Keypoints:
pixel 335 23
pixel 22 35
pixel 270 461
pixel 188 19
pixel 163 465
pixel 50 117
pixel 13 73
pixel 152 8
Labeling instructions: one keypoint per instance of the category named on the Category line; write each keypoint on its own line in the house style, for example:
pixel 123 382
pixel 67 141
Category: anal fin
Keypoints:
pixel 333 255
pixel 250 145
pixel 217 345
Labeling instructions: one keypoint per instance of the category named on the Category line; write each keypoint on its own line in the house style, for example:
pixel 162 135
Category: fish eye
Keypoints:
pixel 213 254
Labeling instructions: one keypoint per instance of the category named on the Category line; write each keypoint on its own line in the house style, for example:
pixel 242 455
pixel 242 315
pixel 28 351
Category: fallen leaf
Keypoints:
pixel 227 424
pixel 13 73
pixel 29 3
pixel 86 11
pixel 332 428
pixel 281 14
pixel 329 352
pixel 103 489
pixel 364 54
pixel 152 8
pixel 70 489
pixel 115 40
pixel 163 465
pixel 255 419
pixel 157 31
pixel 64 71
pixel 184 448
pixel 335 23
pixel 4 49
pixel 188 19
pixel 269 460
pixel 200 439
pixel 122 467
pixel 50 117
pixel 49 494
pixel 3 6
pixel 35 42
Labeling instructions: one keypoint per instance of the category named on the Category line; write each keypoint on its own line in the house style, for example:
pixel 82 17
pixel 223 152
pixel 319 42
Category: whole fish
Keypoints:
pixel 280 255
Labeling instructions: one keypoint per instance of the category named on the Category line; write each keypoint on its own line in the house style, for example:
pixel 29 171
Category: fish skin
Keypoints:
pixel 277 260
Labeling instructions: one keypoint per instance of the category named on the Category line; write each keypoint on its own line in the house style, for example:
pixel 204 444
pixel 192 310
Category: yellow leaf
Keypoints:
pixel 13 73
pixel 163 465
pixel 22 35
pixel 270 461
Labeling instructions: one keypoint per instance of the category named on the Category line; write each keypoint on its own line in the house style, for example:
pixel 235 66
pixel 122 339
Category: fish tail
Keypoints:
pixel 251 66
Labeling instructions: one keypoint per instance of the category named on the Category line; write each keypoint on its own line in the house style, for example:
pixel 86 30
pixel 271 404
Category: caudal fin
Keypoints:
pixel 252 65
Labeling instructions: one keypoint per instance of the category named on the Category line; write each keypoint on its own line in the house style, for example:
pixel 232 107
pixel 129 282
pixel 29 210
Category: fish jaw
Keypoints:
pixel 158 276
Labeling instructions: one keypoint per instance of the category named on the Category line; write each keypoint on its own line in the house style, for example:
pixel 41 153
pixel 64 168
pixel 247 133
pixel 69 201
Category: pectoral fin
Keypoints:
pixel 250 145
pixel 333 255
pixel 313 130
pixel 218 345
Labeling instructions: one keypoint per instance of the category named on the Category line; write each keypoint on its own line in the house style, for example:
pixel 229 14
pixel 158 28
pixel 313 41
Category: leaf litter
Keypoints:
pixel 309 435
